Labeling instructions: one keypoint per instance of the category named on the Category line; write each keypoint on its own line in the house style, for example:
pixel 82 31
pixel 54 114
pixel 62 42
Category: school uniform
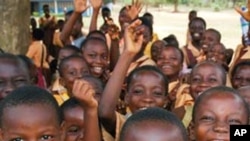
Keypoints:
pixel 147 50
pixel 59 92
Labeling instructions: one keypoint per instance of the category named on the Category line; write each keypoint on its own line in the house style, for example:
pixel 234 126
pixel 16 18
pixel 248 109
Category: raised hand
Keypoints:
pixel 134 9
pixel 133 37
pixel 84 93
pixel 96 4
pixel 80 6
pixel 244 14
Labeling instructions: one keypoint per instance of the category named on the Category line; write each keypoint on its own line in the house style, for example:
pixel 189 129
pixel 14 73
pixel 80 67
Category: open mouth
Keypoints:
pixel 97 70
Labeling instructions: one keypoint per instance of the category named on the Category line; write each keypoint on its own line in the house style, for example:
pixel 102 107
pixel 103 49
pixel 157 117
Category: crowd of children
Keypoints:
pixel 122 83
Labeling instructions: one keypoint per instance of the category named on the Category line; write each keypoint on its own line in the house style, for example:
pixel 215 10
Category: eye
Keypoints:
pixel 46 137
pixel 73 130
pixel 237 78
pixel 92 55
pixel 158 93
pixel 72 73
pixel 137 91
pixel 207 118
pixel 17 139
pixel 234 121
pixel 196 80
pixel 212 80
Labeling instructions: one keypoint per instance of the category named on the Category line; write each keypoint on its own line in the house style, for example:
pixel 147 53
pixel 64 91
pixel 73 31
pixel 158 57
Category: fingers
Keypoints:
pixel 82 88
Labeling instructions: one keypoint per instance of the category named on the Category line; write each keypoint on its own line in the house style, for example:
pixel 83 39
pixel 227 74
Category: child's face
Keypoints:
pixel 12 76
pixel 241 77
pixel 147 89
pixel 156 48
pixel 30 123
pixel 73 124
pixel 169 61
pixel 153 131
pixel 207 40
pixel 203 77
pixel 197 29
pixel 246 95
pixel 215 114
pixel 217 53
pixel 63 53
pixel 96 55
pixel 97 88
pixel 73 69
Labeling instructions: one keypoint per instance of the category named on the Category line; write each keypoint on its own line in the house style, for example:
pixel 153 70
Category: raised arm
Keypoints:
pixel 84 93
pixel 244 14
pixel 133 41
pixel 96 4
pixel 79 7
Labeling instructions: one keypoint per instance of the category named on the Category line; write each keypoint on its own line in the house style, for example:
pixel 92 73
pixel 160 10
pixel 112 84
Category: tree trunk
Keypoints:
pixel 176 5
pixel 14 25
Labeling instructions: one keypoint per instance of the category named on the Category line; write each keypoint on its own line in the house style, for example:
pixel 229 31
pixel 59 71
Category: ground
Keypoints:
pixel 167 22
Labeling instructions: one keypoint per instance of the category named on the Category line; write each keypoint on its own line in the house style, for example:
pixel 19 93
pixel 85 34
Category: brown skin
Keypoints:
pixel 241 77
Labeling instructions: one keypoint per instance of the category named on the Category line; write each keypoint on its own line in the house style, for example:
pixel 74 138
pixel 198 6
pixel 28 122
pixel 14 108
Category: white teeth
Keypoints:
pixel 199 93
pixel 196 34
pixel 144 108
pixel 205 46
pixel 166 67
pixel 97 69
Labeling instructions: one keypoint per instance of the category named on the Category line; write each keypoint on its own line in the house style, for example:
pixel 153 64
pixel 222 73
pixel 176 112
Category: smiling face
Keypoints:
pixel 95 53
pixel 156 48
pixel 12 75
pixel 36 122
pixel 73 124
pixel 208 39
pixel 203 77
pixel 241 77
pixel 214 115
pixel 197 29
pixel 170 62
pixel 146 89
pixel 153 131
pixel 217 53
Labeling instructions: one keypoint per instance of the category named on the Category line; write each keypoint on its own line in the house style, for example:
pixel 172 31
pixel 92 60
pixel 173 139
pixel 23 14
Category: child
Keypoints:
pixel 39 117
pixel 73 114
pixel 95 52
pixel 14 73
pixel 171 40
pixel 191 15
pixel 153 124
pixel 146 86
pixel 71 68
pixel 156 49
pixel 215 110
pixel 240 75
pixel 170 61
pixel 245 93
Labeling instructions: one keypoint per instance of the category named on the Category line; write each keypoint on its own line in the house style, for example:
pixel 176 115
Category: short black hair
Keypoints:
pixel 148 68
pixel 94 39
pixel 216 33
pixel 147 23
pixel 217 89
pixel 149 17
pixel 91 34
pixel 38 34
pixel 29 95
pixel 155 115
pixel 69 104
pixel 215 65
pixel 73 48
pixel 96 80
pixel 245 62
pixel 197 19
pixel 106 12
pixel 171 40
pixel 65 60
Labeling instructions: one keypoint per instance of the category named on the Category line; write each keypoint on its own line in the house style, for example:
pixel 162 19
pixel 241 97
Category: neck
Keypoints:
pixel 196 44
pixel 173 78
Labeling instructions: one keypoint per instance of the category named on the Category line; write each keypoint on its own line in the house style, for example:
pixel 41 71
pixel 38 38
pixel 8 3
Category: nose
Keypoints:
pixel 8 88
pixel 148 100
pixel 221 127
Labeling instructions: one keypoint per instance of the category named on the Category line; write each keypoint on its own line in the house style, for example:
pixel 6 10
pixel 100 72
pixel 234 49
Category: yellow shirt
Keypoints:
pixel 147 50
pixel 59 92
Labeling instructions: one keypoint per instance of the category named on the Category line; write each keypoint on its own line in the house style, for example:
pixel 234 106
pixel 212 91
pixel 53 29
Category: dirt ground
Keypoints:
pixel 167 22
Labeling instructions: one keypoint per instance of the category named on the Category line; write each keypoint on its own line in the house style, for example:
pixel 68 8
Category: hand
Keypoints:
pixel 112 29
pixel 134 9
pixel 133 37
pixel 80 5
pixel 96 4
pixel 244 14
pixel 84 93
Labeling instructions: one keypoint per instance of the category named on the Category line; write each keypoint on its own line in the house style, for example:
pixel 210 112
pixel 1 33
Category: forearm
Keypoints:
pixel 93 23
pixel 114 53
pixel 91 125
pixel 69 26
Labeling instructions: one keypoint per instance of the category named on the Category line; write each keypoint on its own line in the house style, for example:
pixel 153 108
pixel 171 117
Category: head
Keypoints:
pixel 153 124
pixel 46 10
pixel 97 85
pixel 14 73
pixel 77 28
pixel 60 24
pixel 106 13
pixel 33 23
pixel 95 52
pixel 229 55
pixel 240 75
pixel 192 14
pixel 31 67
pixel 97 34
pixel 149 17
pixel 39 117
pixel 210 37
pixel 205 75
pixel 72 68
pixel 217 53
pixel 215 110
pixel 170 62
pixel 245 93
pixel 147 87
pixel 171 40
pixel 147 32
pixel 73 118
pixel 37 34
pixel 197 27
pixel 67 51
pixel 156 49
